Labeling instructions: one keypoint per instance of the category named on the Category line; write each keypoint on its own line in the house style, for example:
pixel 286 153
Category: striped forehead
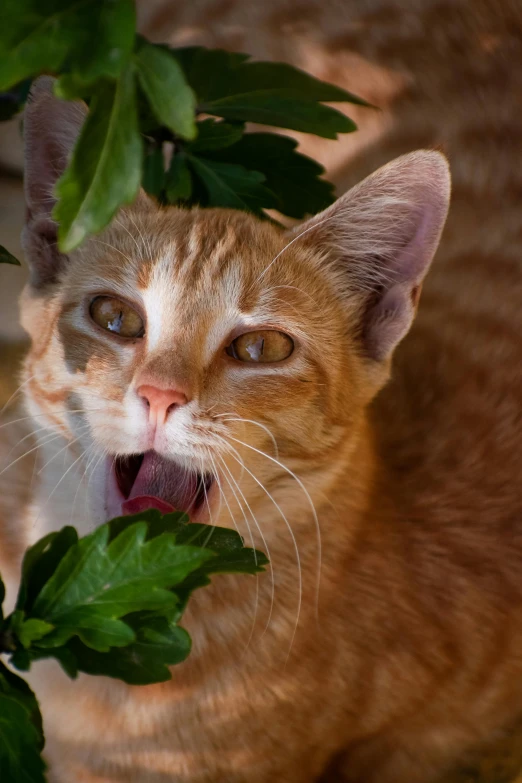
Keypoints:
pixel 193 297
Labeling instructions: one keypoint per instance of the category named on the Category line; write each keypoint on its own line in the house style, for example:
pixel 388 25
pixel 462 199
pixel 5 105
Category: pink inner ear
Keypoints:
pixel 382 237
pixel 388 321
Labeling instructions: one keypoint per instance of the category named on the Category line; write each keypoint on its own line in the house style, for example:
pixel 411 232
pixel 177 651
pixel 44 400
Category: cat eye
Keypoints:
pixel 117 317
pixel 261 346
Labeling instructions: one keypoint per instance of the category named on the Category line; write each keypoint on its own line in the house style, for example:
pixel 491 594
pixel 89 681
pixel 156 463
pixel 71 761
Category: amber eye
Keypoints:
pixel 116 316
pixel 262 346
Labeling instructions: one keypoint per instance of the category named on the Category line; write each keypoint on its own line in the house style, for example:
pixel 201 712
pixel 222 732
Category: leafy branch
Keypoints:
pixel 107 604
pixel 170 119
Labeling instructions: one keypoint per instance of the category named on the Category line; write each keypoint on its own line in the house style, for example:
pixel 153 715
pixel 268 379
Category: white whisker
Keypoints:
pixel 307 494
pixel 265 546
pixel 67 445
pixel 257 423
pixel 14 394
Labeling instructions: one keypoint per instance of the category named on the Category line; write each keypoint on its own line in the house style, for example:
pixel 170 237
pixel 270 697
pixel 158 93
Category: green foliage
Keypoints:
pixel 195 99
pixel 89 38
pixel 105 169
pixel 106 604
pixel 21 734
pixel 160 78
pixel 7 258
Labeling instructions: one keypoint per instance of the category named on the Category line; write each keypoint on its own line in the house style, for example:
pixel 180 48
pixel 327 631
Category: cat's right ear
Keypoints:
pixel 51 127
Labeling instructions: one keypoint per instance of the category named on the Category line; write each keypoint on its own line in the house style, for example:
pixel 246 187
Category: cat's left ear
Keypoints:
pixel 51 127
pixel 378 240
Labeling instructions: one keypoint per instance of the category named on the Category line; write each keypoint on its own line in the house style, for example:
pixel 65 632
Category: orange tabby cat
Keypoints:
pixel 207 361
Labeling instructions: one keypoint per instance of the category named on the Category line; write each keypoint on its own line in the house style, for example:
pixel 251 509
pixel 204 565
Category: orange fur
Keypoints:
pixel 408 658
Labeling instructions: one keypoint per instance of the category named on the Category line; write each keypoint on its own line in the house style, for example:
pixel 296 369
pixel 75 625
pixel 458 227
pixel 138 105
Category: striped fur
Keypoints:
pixel 413 665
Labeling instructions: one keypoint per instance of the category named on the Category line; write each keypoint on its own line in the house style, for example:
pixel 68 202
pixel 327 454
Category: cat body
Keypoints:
pixel 384 643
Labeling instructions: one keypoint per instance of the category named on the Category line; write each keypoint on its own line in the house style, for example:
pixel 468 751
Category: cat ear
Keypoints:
pixel 51 127
pixel 380 238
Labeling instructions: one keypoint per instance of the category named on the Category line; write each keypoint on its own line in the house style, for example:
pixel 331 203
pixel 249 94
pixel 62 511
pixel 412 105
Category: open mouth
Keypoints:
pixel 144 481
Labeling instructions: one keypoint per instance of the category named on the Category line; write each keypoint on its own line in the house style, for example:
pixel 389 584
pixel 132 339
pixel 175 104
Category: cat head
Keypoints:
pixel 181 348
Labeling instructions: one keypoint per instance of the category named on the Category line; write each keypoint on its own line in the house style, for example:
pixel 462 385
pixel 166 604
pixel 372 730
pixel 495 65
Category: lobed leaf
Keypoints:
pixel 153 179
pixel 21 734
pixel 165 87
pixel 97 583
pixel 231 185
pixel 229 86
pixel 213 135
pixel 105 168
pixel 12 102
pixel 159 643
pixel 293 177
pixel 178 181
pixel 28 631
pixel 7 258
pixel 40 562
pixel 89 37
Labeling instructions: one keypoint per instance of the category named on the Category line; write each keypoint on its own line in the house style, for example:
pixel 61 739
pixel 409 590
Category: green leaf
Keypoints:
pixel 229 86
pixel 178 183
pixel 12 102
pixel 271 107
pixel 164 84
pixel 293 177
pixel 28 631
pixel 230 185
pixel 2 596
pixel 216 73
pixel 98 582
pixel 160 643
pixel 95 630
pixel 153 180
pixel 105 169
pixel 213 135
pixel 93 38
pixel 7 258
pixel 21 735
pixel 39 563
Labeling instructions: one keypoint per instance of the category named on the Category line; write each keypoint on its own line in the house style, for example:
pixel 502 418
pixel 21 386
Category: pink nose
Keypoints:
pixel 161 402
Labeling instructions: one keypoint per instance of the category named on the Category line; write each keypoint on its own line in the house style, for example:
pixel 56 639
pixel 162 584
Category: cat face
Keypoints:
pixel 187 303
pixel 182 348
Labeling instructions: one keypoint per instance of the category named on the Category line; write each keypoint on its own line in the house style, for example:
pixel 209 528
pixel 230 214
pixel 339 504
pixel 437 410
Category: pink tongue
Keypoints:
pixel 144 502
pixel 161 484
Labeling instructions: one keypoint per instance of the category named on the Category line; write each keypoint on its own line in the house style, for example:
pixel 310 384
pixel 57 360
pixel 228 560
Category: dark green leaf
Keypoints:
pixel 153 180
pixel 213 135
pixel 93 38
pixel 270 107
pixel 7 258
pixel 21 735
pixel 2 596
pixel 178 183
pixel 96 631
pixel 160 643
pixel 105 169
pixel 230 185
pixel 216 74
pixel 277 94
pixel 29 630
pixel 157 523
pixel 13 101
pixel 23 659
pixel 294 178
pixel 40 562
pixel 97 583
pixel 163 82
